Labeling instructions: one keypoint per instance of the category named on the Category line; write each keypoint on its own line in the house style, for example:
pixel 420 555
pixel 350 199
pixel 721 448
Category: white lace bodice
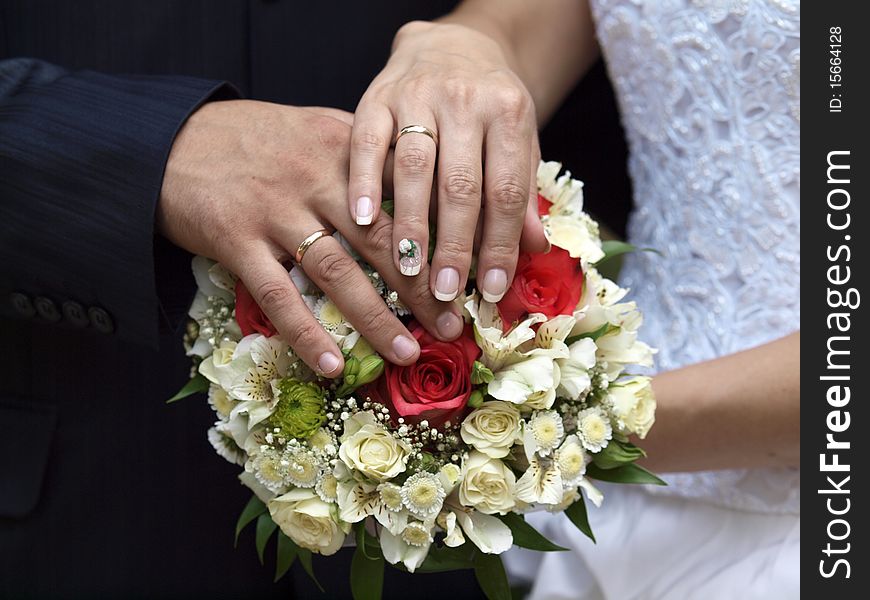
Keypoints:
pixel 710 98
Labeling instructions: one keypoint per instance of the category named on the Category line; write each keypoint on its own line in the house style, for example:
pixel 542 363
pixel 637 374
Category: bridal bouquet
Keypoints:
pixel 432 466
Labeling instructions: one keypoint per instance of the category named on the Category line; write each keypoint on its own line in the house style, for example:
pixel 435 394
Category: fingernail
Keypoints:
pixel 410 257
pixel 449 325
pixel 494 285
pixel 404 347
pixel 328 362
pixel 364 210
pixel 447 284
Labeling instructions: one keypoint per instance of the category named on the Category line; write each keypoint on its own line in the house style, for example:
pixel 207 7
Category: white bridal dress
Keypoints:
pixel 710 98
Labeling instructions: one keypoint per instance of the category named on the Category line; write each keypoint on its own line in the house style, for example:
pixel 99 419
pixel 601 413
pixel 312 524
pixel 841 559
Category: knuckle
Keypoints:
pixel 304 335
pixel 368 141
pixel 377 319
pixel 379 237
pixel 334 268
pixel 460 91
pixel 454 249
pixel 274 296
pixel 513 101
pixel 510 197
pixel 462 185
pixel 332 133
pixel 502 249
pixel 414 159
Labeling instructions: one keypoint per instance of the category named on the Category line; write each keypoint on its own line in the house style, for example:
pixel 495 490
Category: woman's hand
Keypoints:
pixel 456 83
pixel 247 182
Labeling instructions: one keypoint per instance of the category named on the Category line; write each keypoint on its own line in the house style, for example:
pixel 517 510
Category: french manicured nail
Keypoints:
pixel 328 362
pixel 410 257
pixel 447 284
pixel 404 347
pixel 449 325
pixel 494 285
pixel 364 210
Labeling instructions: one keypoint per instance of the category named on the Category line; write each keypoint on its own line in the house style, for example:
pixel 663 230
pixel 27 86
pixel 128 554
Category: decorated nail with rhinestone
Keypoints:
pixel 410 257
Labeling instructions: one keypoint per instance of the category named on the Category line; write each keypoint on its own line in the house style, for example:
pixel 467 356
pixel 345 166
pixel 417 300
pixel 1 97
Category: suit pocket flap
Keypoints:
pixel 26 431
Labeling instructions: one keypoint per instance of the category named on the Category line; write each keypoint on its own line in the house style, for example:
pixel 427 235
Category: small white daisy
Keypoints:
pixel 417 534
pixel 224 444
pixel 270 469
pixel 327 488
pixel 323 440
pixel 544 432
pixel 594 429
pixel 303 468
pixel 391 496
pixel 572 460
pixel 423 494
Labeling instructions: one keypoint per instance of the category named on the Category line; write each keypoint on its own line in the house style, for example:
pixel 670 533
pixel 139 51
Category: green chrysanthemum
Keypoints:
pixel 300 410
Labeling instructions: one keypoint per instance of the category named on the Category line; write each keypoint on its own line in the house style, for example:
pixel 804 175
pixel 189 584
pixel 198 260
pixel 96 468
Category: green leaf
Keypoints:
pixel 605 329
pixel 445 558
pixel 305 559
pixel 491 576
pixel 576 513
pixel 365 540
pixel 387 205
pixel 617 454
pixel 196 385
pixel 613 248
pixel 286 555
pixel 366 575
pixel 265 528
pixel 480 373
pixel 526 536
pixel 630 473
pixel 253 509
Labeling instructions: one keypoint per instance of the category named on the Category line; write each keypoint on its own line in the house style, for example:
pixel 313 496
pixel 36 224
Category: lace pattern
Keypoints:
pixel 709 92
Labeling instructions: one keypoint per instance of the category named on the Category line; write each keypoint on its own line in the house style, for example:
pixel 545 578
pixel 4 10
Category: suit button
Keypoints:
pixel 47 309
pixel 75 314
pixel 101 320
pixel 22 304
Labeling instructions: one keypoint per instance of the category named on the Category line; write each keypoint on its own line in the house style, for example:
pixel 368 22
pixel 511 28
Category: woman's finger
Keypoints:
pixel 273 290
pixel 413 171
pixel 369 142
pixel 508 153
pixel 460 180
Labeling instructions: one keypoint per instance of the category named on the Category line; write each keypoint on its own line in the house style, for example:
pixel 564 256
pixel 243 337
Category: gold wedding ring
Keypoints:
pixel 417 129
pixel 309 241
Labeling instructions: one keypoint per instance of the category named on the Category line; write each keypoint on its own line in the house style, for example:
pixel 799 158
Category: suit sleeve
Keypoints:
pixel 82 156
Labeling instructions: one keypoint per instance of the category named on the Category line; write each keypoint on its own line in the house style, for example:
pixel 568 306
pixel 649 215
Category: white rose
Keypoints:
pixel 634 405
pixel 370 449
pixel 308 521
pixel 493 428
pixel 488 484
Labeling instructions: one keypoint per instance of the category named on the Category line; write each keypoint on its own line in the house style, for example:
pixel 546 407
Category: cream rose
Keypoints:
pixel 370 449
pixel 487 485
pixel 634 405
pixel 308 521
pixel 493 428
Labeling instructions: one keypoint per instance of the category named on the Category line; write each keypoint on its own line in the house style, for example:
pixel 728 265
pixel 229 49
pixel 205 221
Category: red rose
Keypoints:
pixel 544 283
pixel 249 315
pixel 436 387
pixel 543 206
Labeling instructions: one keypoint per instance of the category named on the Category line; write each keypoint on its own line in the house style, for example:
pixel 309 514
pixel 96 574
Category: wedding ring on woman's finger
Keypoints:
pixel 417 129
pixel 309 241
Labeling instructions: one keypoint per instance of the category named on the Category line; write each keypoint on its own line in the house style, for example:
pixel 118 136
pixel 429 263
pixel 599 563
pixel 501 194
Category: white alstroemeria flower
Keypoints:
pixel 359 499
pixel 486 532
pixel 541 483
pixel 452 532
pixel 574 370
pixel 564 193
pixel 633 404
pixel 409 547
pixel 578 234
pixel 569 497
pixel 598 290
pixel 260 491
pixel 543 433
pixel 593 493
pixel 308 521
pixel 594 429
pixel 571 459
pixel 202 273
pixel 256 390
pixel 523 380
pixel 222 278
pixel 497 347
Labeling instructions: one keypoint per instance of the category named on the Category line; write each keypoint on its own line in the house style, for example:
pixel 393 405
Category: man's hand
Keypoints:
pixel 247 182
